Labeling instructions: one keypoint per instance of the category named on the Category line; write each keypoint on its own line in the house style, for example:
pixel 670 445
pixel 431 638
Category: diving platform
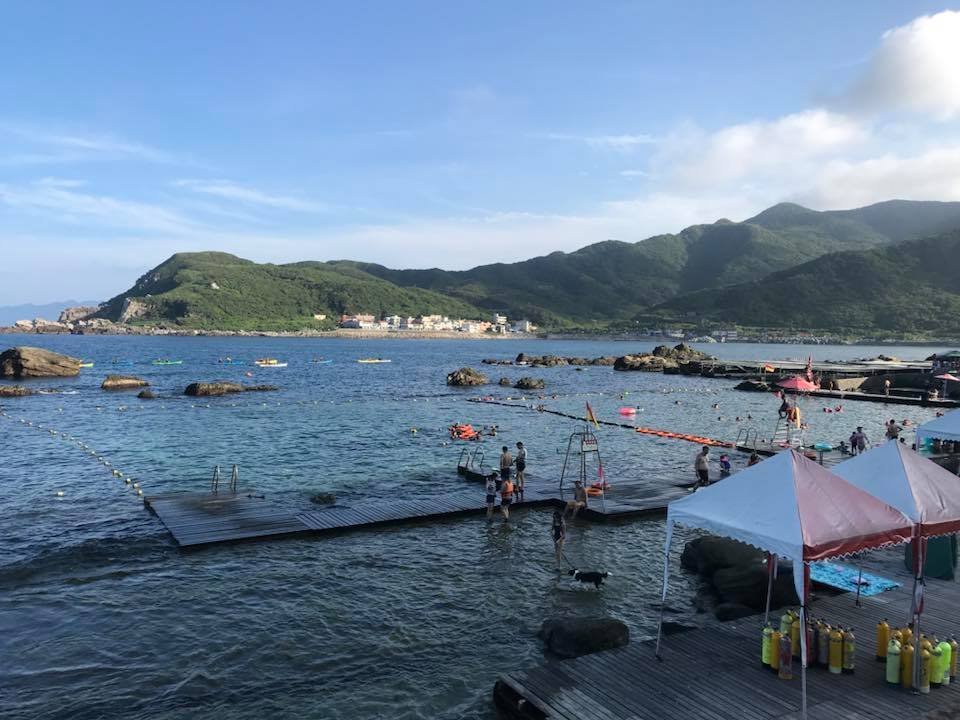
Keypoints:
pixel 714 672
pixel 206 518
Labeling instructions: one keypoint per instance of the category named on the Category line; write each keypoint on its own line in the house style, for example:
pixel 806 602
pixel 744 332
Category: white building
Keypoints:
pixel 499 319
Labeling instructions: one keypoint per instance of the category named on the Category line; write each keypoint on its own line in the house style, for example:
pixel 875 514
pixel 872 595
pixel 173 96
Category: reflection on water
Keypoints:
pixel 101 616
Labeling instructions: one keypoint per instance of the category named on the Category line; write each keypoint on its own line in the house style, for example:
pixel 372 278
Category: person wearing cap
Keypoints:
pixel 579 499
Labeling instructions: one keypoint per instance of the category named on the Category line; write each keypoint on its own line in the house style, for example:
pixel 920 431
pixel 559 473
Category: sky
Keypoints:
pixel 439 134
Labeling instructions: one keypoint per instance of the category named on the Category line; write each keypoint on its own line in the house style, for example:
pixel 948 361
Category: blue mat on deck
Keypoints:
pixel 845 577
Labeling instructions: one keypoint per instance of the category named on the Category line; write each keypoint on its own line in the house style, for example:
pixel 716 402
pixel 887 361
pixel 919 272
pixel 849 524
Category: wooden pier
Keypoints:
pixel 715 672
pixel 761 368
pixel 195 519
pixel 918 397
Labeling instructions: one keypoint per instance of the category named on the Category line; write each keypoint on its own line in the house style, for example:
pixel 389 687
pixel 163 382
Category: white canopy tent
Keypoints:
pixel 792 507
pixel 946 427
pixel 919 488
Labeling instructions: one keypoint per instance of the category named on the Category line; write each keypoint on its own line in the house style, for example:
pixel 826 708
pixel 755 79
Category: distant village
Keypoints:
pixel 498 324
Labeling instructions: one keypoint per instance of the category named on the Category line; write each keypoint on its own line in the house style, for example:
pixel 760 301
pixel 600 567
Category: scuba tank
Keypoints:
pixel 795 636
pixel 936 665
pixel 849 651
pixel 786 620
pixel 906 635
pixel 906 666
pixel 823 645
pixel 786 659
pixel 954 647
pixel 946 656
pixel 775 650
pixel 813 648
pixel 883 639
pixel 925 658
pixel 893 662
pixel 765 645
pixel 836 651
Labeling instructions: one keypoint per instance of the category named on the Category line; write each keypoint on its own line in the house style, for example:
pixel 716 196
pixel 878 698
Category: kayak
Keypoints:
pixel 168 362
pixel 321 362
pixel 86 364
pixel 371 361
pixel 269 362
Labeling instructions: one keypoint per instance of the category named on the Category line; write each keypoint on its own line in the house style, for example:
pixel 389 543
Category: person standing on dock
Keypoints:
pixel 702 465
pixel 886 386
pixel 521 462
pixel 506 460
pixel 491 493
pixel 506 497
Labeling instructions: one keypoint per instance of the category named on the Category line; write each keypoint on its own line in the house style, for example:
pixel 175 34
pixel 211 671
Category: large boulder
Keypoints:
pixel 605 360
pixel 505 382
pixel 572 637
pixel 203 389
pixel 14 391
pixel 747 585
pixel 146 395
pixel 680 353
pixel 123 382
pixel 753 386
pixel 27 362
pixel 466 377
pixel 707 554
pixel 643 363
pixel 529 383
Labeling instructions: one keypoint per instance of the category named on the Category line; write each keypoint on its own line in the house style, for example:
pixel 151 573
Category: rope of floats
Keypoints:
pixel 698 439
pixel 128 480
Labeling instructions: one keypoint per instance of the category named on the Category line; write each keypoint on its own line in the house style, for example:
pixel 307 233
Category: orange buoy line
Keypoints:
pixel 699 439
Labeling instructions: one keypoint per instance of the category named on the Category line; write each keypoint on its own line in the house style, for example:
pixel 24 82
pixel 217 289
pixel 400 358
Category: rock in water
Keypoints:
pixel 708 554
pixel 199 389
pixel 27 362
pixel 504 382
pixel 466 377
pixel 122 382
pixel 323 499
pixel 753 386
pixel 14 391
pixel 529 383
pixel 572 637
pixel 146 395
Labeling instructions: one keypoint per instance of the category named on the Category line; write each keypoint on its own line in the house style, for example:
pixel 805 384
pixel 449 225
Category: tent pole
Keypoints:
pixel 666 576
pixel 803 660
pixel 859 582
pixel 919 558
pixel 771 565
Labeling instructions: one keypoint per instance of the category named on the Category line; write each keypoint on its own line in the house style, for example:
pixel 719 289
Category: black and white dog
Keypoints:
pixel 590 576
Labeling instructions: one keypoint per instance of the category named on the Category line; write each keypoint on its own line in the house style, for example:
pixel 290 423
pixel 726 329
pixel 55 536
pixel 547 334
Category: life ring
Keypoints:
pixel 628 411
pixel 594 491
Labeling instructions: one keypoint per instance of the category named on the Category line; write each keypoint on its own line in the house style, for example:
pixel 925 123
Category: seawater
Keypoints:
pixel 101 616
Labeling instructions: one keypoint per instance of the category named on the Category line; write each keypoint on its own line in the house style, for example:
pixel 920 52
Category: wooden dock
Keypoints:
pixel 766 368
pixel 715 672
pixel 917 398
pixel 195 519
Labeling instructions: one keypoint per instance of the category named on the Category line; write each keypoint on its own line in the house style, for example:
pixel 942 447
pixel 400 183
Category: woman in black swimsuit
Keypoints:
pixel 559 528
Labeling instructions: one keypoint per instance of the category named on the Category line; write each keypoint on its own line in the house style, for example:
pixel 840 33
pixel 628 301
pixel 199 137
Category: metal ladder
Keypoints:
pixel 215 481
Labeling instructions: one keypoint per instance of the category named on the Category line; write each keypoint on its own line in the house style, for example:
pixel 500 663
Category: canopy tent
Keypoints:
pixel 946 427
pixel 792 507
pixel 799 384
pixel 946 377
pixel 919 488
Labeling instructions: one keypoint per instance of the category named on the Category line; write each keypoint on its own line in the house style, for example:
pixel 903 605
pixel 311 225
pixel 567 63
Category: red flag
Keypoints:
pixel 591 417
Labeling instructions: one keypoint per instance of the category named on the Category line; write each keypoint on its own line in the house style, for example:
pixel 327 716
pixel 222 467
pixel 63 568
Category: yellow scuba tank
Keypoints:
pixel 925 643
pixel 906 636
pixel 883 639
pixel 893 662
pixel 795 636
pixel 936 664
pixel 906 666
pixel 946 655
pixel 785 671
pixel 925 658
pixel 765 645
pixel 849 651
pixel 823 646
pixel 786 620
pixel 775 650
pixel 836 651
pixel 954 647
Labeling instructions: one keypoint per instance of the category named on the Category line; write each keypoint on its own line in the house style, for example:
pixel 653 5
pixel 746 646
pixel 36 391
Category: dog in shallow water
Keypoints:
pixel 589 576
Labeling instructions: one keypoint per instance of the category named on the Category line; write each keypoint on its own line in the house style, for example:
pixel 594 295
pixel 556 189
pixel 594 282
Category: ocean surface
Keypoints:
pixel 101 616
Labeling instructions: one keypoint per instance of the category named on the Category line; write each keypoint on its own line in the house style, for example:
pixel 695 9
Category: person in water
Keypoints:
pixel 506 497
pixel 559 530
pixel 521 463
pixel 858 441
pixel 754 459
pixel 893 430
pixel 725 465
pixel 491 493
pixel 702 465
pixel 506 460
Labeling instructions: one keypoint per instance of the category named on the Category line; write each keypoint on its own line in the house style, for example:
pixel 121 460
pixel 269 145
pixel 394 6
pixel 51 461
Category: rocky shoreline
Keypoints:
pixel 109 328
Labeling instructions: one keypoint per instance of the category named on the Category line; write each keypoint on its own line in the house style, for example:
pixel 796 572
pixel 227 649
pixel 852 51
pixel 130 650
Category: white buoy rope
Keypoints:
pixel 85 449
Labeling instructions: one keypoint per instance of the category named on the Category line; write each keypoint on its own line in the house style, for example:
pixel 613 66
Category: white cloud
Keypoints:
pixel 251 196
pixel 915 68
pixel 634 173
pixel 73 147
pixel 621 143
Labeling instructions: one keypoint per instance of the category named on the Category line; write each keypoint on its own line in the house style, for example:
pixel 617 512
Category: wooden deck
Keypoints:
pixel 715 672
pixel 195 519
pixel 918 398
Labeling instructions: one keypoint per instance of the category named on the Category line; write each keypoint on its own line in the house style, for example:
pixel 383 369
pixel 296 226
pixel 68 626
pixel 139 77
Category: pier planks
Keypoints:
pixel 714 672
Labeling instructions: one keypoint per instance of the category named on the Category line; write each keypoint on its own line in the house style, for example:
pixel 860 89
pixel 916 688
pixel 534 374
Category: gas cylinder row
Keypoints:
pixel 938 658
pixel 830 647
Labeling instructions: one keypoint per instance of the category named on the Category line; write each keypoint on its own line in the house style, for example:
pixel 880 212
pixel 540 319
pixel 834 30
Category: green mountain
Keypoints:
pixel 221 291
pixel 613 281
pixel 910 287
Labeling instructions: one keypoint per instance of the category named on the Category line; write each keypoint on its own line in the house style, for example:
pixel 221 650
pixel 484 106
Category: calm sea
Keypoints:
pixel 102 617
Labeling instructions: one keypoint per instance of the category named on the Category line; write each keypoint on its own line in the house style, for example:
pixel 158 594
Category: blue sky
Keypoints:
pixel 440 134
